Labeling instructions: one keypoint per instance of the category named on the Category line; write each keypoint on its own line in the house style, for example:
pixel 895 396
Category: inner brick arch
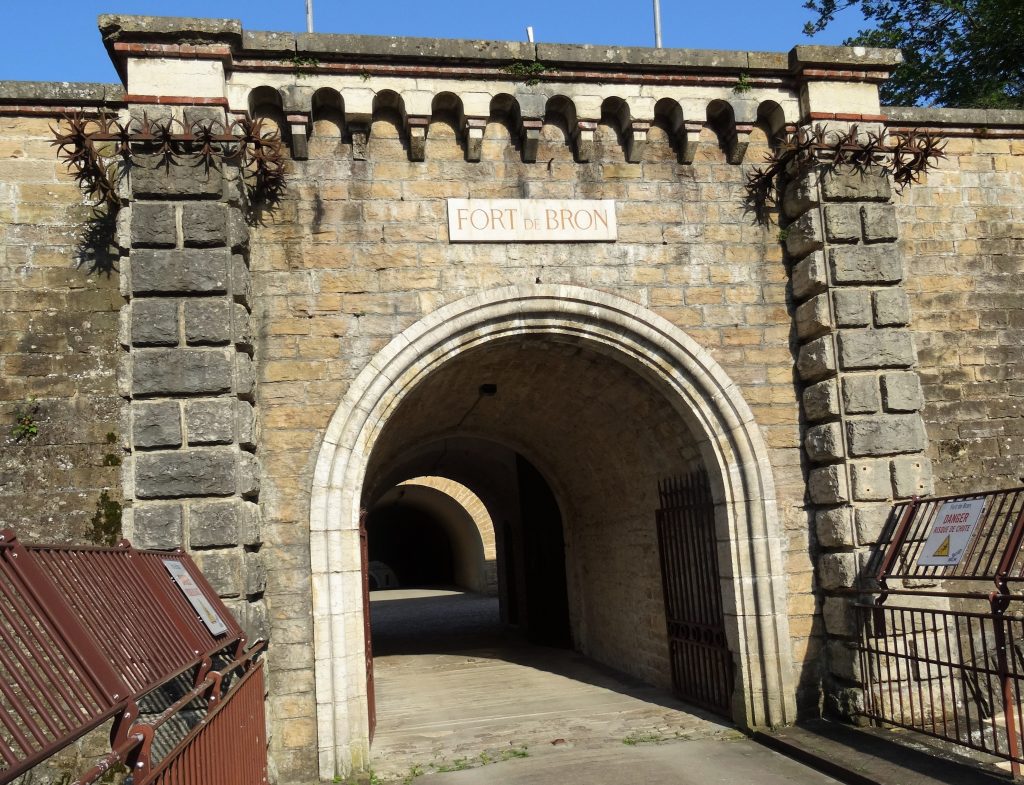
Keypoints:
pixel 729 442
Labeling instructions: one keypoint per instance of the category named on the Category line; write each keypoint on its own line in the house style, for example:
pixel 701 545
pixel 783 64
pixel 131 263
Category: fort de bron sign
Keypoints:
pixel 531 220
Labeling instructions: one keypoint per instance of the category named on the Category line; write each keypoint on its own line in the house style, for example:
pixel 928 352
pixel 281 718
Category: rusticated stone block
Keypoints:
pixel 852 307
pixel 255 574
pixel 223 570
pixel 216 524
pixel 156 424
pixel 886 435
pixel 245 424
pixel 210 421
pixel 248 476
pixel 810 276
pixel 864 349
pixel 842 223
pixel 824 443
pixel 839 617
pixel 154 226
pixel 241 280
pixel 251 528
pixel 208 320
pixel 804 235
pixel 152 178
pixel 813 317
pixel 870 480
pixel 157 527
pixel 827 485
pixel 911 477
pixel 870 520
pixel 204 224
pixel 184 473
pixel 245 376
pixel 800 195
pixel 816 359
pixel 837 570
pixel 833 527
pixel 866 264
pixel 182 371
pixel 892 308
pixel 860 394
pixel 901 392
pixel 843 657
pixel 242 329
pixel 849 185
pixel 238 230
pixel 154 322
pixel 821 401
pixel 192 270
pixel 879 222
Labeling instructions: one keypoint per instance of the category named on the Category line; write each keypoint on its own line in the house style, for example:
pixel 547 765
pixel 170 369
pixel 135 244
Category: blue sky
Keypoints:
pixel 57 40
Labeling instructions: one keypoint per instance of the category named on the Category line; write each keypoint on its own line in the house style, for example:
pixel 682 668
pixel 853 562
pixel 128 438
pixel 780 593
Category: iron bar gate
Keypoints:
pixel 89 635
pixel 946 656
pixel 702 665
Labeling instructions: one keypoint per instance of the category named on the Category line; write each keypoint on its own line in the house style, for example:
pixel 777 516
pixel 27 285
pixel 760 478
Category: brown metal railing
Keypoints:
pixel 89 634
pixel 938 655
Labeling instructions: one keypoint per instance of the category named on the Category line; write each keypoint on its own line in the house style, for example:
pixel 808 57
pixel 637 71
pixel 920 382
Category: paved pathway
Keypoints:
pixel 467 705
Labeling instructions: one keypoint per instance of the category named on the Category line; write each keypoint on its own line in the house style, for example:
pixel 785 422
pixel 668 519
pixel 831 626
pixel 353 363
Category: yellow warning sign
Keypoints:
pixel 943 549
pixel 951 532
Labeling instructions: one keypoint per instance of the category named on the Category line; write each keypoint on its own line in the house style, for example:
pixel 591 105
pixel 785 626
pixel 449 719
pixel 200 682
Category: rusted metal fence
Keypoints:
pixel 942 646
pixel 89 635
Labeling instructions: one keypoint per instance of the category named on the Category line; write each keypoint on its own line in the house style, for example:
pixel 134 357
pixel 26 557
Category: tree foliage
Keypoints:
pixel 966 53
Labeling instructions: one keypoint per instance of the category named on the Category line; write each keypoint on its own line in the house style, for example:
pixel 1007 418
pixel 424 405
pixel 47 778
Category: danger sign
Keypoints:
pixel 951 533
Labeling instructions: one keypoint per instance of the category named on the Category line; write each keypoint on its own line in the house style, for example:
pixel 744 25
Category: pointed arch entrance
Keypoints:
pixel 725 438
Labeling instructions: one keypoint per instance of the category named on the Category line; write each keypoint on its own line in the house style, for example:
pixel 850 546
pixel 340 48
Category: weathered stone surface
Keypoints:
pixel 852 307
pixel 892 308
pixel 842 223
pixel 216 524
pixel 862 349
pixel 208 320
pixel 154 226
pixel 156 424
pixel 251 529
pixel 879 222
pixel 843 657
pixel 839 616
pixel 245 376
pixel 243 329
pixel 911 476
pixel 192 270
pixel 800 195
pixel 181 371
pixel 210 421
pixel 827 485
pixel 238 230
pixel 184 473
pixel 817 359
pixel 804 235
pixel 833 527
pixel 255 574
pixel 865 264
pixel 204 224
pixel 154 322
pixel 157 527
pixel 837 570
pixel 150 178
pixel 901 392
pixel 860 394
pixel 245 424
pixel 223 570
pixel 821 401
pixel 810 276
pixel 885 435
pixel 824 443
pixel 870 520
pixel 870 480
pixel 813 317
pixel 248 475
pixel 853 186
pixel 241 280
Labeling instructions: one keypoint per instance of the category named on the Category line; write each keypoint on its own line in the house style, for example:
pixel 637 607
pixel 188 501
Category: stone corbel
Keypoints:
pixel 417 126
pixel 583 140
pixel 298 125
pixel 531 139
pixel 688 138
pixel 359 128
pixel 739 142
pixel 474 137
pixel 636 140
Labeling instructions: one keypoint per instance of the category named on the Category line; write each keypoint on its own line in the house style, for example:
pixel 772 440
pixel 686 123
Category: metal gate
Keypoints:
pixel 702 667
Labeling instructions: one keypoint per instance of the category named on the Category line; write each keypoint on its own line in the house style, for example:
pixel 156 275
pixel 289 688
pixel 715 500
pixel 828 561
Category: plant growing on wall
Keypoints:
pixel 26 423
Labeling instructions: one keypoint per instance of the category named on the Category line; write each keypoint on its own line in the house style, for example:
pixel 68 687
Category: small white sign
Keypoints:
pixel 531 220
pixel 951 533
pixel 214 623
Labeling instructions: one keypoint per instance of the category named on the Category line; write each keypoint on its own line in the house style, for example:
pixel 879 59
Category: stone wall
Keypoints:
pixel 59 301
pixel 962 236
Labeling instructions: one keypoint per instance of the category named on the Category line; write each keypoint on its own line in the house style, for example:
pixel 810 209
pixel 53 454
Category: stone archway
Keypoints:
pixel 730 445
